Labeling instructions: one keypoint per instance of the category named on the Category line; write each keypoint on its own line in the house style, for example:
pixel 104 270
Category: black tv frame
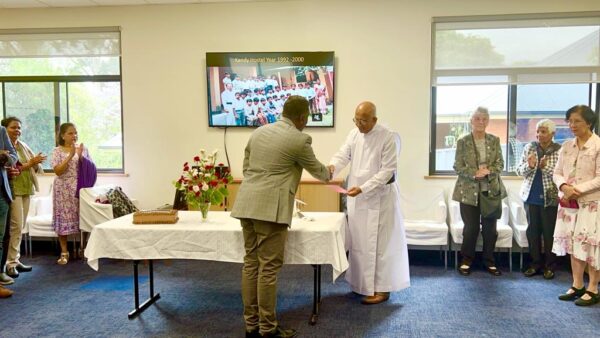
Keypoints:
pixel 227 59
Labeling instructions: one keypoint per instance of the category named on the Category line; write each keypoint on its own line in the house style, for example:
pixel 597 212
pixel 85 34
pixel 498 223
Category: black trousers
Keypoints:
pixel 541 221
pixel 471 217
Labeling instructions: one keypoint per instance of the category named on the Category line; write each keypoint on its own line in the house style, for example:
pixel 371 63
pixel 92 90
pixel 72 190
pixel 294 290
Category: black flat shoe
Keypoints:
pixel 464 271
pixel 493 271
pixel 548 274
pixel 23 268
pixel 571 296
pixel 594 298
pixel 253 334
pixel 530 272
pixel 12 272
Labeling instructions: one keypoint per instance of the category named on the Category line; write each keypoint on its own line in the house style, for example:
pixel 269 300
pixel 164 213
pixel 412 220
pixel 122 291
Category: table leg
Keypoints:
pixel 316 295
pixel 136 288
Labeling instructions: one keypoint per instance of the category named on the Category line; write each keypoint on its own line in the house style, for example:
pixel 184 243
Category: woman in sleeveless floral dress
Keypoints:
pixel 577 229
pixel 65 161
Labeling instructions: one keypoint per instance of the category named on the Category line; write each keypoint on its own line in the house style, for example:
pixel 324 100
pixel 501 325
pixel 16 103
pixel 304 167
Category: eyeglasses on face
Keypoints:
pixel 360 121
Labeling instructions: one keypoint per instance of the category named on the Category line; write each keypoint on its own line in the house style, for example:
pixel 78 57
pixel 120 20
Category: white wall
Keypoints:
pixel 382 53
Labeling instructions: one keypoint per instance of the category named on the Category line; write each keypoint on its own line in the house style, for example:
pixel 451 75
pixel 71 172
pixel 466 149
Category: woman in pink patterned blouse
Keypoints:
pixel 577 230
pixel 65 161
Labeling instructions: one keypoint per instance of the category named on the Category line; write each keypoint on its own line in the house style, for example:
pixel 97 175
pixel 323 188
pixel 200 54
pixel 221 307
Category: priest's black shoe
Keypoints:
pixel 530 272
pixel 281 333
pixel 23 268
pixel 493 271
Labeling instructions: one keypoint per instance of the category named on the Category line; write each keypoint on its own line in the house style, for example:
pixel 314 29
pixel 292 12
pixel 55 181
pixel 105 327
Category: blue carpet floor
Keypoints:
pixel 202 299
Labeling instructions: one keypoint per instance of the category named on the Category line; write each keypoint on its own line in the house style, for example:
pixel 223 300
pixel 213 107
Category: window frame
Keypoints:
pixel 510 72
pixel 57 80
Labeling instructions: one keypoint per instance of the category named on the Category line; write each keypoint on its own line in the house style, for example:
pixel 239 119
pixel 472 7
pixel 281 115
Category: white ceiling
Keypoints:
pixel 92 3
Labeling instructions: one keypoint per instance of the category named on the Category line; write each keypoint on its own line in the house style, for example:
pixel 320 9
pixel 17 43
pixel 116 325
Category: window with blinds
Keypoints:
pixel 523 68
pixel 52 76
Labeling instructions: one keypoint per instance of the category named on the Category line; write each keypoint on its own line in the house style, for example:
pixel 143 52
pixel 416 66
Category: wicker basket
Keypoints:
pixel 155 217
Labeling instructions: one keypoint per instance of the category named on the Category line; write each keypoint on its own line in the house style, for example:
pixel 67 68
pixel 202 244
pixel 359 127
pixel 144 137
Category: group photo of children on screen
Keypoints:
pixel 255 100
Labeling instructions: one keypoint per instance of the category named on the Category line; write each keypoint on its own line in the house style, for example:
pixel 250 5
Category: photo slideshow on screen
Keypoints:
pixel 250 89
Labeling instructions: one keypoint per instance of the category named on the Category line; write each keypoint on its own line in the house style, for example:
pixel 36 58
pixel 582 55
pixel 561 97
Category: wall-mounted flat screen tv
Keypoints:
pixel 249 89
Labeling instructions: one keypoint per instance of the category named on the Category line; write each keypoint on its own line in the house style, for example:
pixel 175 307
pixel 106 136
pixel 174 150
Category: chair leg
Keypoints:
pixel 510 260
pixel 521 260
pixel 446 257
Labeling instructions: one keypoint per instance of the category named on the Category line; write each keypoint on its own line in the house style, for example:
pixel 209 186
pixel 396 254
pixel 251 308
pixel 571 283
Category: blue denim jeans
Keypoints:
pixel 3 224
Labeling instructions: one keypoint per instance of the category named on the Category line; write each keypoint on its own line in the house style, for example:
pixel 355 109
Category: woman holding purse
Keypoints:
pixel 577 229
pixel 478 163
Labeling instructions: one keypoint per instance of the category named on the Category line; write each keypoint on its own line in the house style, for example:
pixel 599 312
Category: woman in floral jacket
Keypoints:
pixel 540 196
pixel 578 230
pixel 478 163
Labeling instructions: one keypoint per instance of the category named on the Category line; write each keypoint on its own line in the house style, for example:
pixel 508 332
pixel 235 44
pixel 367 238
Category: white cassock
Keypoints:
pixel 375 240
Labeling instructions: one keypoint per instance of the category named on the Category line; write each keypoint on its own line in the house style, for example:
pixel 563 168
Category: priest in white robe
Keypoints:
pixel 376 240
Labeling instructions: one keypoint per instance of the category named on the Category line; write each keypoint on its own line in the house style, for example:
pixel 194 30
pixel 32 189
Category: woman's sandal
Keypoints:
pixel 594 298
pixel 571 296
pixel 64 258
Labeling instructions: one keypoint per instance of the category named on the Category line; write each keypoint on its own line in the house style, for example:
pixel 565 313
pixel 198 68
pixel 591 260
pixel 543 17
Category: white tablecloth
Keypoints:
pixel 219 238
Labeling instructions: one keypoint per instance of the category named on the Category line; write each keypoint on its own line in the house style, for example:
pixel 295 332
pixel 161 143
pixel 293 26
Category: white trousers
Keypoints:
pixel 19 208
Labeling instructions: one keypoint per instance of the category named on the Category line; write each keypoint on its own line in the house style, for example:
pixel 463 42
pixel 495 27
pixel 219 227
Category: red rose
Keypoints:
pixel 213 183
pixel 185 164
pixel 221 164
pixel 190 188
pixel 197 158
pixel 198 194
pixel 225 180
pixel 208 167
pixel 186 168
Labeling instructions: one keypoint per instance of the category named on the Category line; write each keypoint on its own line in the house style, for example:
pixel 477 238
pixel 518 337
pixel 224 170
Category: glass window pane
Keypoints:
pixel 454 105
pixel 33 104
pixel 57 66
pixel 538 102
pixel 542 46
pixel 95 108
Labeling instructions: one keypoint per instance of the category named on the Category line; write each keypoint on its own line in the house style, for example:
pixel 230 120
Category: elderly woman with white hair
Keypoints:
pixel 478 163
pixel 540 197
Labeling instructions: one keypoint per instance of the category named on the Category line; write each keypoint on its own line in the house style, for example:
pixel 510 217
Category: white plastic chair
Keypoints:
pixel 425 220
pixel 518 222
pixel 39 219
pixel 92 213
pixel 505 232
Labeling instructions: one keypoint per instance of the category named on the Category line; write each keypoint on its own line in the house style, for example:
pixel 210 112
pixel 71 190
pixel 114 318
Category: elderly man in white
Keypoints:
pixel 378 250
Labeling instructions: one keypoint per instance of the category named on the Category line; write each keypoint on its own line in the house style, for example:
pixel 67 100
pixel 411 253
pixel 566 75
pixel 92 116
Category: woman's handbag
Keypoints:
pixel 490 205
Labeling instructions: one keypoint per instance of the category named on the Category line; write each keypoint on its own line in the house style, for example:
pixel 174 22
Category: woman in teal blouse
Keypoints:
pixel 23 186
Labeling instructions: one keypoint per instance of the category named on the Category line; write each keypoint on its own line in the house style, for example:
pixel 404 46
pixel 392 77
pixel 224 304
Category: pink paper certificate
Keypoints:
pixel 337 188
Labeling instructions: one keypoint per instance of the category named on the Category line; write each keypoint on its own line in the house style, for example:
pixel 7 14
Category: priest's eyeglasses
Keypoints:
pixel 360 121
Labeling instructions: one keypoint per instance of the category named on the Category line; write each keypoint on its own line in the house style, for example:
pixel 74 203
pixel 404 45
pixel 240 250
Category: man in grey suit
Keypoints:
pixel 273 163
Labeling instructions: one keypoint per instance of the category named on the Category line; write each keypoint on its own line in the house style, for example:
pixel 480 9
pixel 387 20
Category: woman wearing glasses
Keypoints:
pixel 577 177
pixel 478 163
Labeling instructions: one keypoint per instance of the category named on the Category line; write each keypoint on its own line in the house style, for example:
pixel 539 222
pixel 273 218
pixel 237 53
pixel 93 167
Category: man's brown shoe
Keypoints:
pixel 379 297
pixel 5 293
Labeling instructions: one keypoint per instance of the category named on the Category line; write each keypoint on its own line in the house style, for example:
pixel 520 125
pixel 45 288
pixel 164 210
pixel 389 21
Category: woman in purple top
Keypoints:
pixel 66 158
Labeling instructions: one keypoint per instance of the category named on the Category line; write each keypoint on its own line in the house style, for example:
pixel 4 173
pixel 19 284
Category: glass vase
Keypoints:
pixel 204 209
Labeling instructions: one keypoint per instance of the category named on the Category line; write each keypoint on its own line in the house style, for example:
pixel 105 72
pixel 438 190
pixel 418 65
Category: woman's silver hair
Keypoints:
pixel 549 124
pixel 480 110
